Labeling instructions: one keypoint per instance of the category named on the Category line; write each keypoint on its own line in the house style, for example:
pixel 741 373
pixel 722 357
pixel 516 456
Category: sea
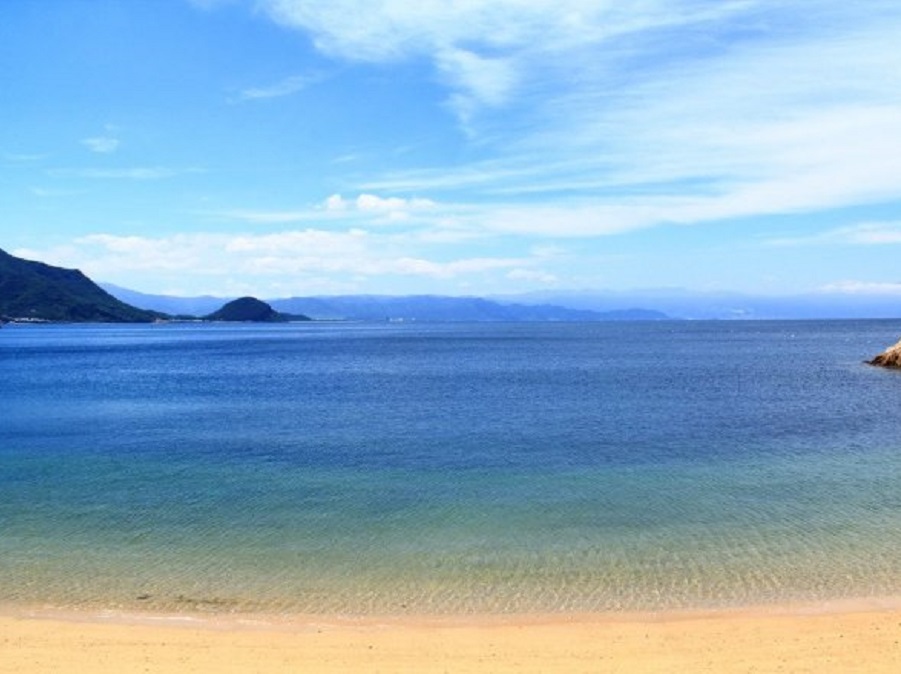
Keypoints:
pixel 457 468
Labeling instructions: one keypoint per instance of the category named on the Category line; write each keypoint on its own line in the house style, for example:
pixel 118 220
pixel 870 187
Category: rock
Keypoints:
pixel 891 357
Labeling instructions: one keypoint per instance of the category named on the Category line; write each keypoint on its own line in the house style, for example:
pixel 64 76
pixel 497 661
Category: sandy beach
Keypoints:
pixel 812 639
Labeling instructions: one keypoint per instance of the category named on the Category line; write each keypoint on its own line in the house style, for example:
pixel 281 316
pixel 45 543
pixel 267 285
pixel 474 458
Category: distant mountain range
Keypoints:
pixel 656 304
pixel 34 291
pixel 700 305
pixel 432 308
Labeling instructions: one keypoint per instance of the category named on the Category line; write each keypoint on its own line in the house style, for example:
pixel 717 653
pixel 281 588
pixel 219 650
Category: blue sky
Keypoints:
pixel 295 147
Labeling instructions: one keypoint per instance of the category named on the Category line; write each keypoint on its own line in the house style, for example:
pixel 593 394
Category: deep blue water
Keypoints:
pixel 434 468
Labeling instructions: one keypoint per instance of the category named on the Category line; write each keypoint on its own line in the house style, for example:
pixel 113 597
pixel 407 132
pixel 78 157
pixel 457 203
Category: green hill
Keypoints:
pixel 37 291
pixel 250 309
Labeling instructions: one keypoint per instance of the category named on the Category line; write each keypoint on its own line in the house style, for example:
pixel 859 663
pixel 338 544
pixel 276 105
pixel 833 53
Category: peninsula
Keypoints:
pixel 37 292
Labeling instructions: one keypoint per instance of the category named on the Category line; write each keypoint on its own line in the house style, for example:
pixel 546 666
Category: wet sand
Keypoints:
pixel 821 639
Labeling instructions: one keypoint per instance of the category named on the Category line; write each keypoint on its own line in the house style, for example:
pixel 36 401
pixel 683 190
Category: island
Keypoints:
pixel 252 310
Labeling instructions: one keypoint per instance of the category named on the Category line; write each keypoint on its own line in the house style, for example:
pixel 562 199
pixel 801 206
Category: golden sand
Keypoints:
pixel 817 641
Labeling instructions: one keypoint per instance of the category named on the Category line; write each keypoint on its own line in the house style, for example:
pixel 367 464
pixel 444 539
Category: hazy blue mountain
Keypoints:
pixel 686 304
pixel 167 304
pixel 37 291
pixel 387 307
pixel 564 305
pixel 441 308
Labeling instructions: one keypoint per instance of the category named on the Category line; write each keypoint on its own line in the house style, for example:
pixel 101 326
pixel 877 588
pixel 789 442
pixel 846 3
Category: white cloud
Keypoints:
pixel 366 207
pixel 462 267
pixel 533 275
pixel 862 288
pixel 767 127
pixel 482 48
pixel 863 234
pixel 384 30
pixel 588 118
pixel 23 158
pixel 374 203
pixel 336 203
pixel 479 81
pixel 371 202
pixel 210 4
pixel 101 144
pixel 130 173
pixel 664 111
pixel 47 193
pixel 267 217
pixel 285 87
pixel 875 234
pixel 378 208
pixel 286 258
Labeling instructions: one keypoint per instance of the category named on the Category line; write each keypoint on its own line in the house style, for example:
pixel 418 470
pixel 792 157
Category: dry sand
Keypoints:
pixel 862 639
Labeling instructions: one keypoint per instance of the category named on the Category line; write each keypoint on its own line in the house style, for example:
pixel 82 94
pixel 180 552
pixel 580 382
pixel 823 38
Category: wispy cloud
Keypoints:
pixel 23 157
pixel 129 173
pixel 662 112
pixel 861 288
pixel 285 87
pixel 52 193
pixel 877 234
pixel 264 259
pixel 210 4
pixel 863 234
pixel 483 49
pixel 266 217
pixel 104 143
pixel 393 208
pixel 101 144
pixel 478 81
pixel 366 207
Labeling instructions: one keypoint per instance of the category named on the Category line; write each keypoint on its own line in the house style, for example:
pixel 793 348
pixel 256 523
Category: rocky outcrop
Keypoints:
pixel 891 357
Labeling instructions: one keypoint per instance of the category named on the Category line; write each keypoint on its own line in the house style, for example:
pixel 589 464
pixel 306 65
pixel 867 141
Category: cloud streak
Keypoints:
pixel 648 114
pixel 469 138
pixel 862 288
pixel 484 49
pixel 285 87
pixel 128 173
pixel 365 207
pixel 863 234
pixel 263 260
pixel 101 144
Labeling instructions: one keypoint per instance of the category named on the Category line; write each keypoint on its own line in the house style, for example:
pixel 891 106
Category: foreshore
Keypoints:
pixel 863 636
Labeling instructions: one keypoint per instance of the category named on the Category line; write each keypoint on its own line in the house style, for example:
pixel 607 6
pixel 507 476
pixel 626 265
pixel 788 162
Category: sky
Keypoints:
pixel 462 147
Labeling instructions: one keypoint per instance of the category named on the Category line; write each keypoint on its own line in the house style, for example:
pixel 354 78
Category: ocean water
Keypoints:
pixel 450 468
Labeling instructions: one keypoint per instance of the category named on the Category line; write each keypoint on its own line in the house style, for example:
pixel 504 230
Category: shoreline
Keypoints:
pixel 297 620
pixel 830 636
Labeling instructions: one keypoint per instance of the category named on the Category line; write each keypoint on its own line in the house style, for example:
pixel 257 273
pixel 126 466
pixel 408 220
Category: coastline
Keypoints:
pixel 843 636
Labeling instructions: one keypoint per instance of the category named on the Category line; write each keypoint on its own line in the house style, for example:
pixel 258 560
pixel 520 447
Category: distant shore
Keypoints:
pixel 862 636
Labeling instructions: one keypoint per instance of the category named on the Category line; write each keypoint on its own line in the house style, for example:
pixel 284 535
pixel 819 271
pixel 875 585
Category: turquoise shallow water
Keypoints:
pixel 448 468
